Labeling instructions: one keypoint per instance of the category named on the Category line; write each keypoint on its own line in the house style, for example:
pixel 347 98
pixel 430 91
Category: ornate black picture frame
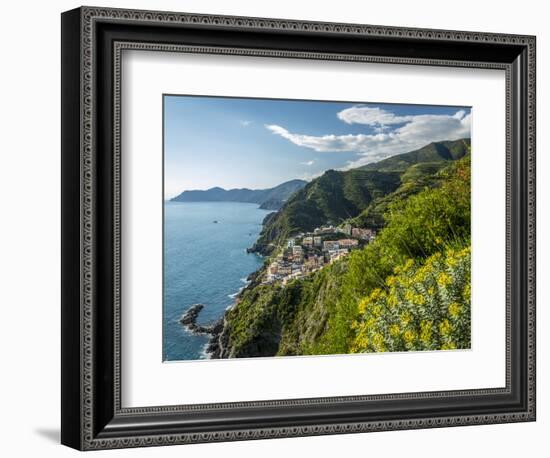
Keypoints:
pixel 92 42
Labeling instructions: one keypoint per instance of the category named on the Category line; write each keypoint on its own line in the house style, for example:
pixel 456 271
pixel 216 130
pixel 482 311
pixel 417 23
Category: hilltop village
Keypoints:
pixel 308 252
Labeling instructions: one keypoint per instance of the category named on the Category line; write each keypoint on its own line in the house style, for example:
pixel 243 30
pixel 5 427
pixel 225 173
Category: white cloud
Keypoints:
pixel 362 114
pixel 323 144
pixel 245 123
pixel 307 163
pixel 418 130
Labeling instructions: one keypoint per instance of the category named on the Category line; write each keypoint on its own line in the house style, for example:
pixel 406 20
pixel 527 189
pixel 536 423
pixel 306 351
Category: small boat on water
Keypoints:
pixel 215 221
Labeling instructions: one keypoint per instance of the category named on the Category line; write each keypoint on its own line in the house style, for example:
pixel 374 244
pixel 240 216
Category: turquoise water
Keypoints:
pixel 204 262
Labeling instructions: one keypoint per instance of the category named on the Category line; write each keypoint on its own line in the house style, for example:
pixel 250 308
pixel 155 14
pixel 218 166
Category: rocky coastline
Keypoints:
pixel 219 339
pixel 189 322
pixel 218 346
pixel 218 343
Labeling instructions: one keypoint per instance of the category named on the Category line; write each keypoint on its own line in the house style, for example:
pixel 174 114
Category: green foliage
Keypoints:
pixel 434 152
pixel 415 179
pixel 254 323
pixel 274 320
pixel 420 224
pixel 417 227
pixel 331 198
pixel 319 294
pixel 425 241
pixel 423 306
pixel 361 195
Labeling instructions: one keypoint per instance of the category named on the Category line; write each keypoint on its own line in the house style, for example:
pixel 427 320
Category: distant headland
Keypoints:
pixel 268 199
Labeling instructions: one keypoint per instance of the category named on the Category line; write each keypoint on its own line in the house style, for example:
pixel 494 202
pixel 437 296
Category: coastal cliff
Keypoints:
pixel 422 211
pixel 359 193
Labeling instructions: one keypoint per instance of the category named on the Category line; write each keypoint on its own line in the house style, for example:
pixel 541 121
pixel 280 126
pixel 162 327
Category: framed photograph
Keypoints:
pixel 276 228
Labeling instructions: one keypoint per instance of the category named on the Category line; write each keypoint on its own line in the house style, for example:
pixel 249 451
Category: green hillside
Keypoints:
pixel 413 180
pixel 409 289
pixel 434 152
pixel 329 199
pixel 360 194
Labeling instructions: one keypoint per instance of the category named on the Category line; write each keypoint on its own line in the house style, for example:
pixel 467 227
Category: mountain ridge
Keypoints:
pixel 366 302
pixel 337 196
pixel 447 150
pixel 268 199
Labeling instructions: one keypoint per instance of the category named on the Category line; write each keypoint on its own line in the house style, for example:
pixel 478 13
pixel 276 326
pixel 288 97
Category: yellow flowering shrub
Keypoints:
pixel 424 306
pixel 417 251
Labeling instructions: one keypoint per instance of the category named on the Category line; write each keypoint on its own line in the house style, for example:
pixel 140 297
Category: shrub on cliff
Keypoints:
pixel 423 306
pixel 416 228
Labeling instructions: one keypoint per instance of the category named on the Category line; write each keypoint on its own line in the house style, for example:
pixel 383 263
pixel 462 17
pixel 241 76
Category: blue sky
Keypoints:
pixel 260 143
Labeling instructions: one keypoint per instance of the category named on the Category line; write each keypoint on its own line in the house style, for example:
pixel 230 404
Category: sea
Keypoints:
pixel 205 261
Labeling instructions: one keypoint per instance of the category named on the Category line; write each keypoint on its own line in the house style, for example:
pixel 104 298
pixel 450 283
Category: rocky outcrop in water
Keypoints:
pixel 189 322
